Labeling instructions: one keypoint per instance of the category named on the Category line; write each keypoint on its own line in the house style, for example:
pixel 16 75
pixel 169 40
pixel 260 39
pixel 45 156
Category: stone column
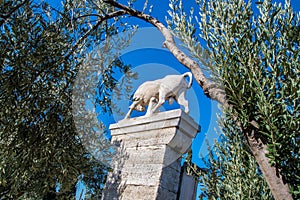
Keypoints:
pixel 148 162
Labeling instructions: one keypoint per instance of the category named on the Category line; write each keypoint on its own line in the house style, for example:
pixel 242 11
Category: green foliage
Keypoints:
pixel 42 152
pixel 255 58
pixel 230 171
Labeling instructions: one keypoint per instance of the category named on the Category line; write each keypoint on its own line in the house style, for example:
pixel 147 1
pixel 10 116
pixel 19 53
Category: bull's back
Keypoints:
pixel 173 83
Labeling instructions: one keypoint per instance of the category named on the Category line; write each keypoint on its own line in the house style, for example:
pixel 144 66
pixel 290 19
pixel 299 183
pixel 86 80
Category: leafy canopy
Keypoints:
pixel 43 152
pixel 254 56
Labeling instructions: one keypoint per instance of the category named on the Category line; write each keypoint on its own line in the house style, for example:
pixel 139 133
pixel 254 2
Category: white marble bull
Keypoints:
pixel 154 93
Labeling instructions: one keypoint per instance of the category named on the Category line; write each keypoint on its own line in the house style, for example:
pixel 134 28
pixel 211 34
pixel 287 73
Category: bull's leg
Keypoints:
pixel 161 101
pixel 152 103
pixel 182 101
pixel 128 114
pixel 131 107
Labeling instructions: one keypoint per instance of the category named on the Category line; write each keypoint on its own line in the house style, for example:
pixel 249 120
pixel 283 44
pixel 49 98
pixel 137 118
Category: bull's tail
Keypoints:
pixel 189 74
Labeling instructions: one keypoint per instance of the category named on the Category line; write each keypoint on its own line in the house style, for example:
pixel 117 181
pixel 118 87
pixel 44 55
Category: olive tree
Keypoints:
pixel 255 58
pixel 42 153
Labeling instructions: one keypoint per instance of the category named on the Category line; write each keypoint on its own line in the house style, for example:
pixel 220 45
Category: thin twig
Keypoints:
pixel 7 15
pixel 95 26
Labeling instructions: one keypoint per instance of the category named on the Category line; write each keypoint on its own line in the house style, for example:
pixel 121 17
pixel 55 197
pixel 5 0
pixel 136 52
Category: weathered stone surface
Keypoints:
pixel 136 192
pixel 147 138
pixel 148 165
pixel 140 174
pixel 188 125
pixel 181 142
pixel 146 155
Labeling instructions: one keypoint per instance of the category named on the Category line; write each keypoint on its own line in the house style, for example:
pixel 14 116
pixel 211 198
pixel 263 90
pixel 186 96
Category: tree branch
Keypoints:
pixel 7 15
pixel 279 189
pixel 95 26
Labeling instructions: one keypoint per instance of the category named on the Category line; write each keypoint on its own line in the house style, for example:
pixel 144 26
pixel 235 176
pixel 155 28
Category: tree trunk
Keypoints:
pixel 279 189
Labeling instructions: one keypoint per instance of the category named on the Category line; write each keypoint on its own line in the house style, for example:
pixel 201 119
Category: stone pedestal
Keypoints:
pixel 147 165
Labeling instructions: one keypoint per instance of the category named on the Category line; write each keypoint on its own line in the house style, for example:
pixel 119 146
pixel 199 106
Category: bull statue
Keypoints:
pixel 154 93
